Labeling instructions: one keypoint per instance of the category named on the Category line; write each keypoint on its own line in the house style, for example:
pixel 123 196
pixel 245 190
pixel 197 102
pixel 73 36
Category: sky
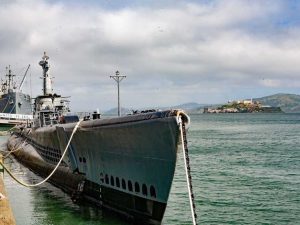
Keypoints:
pixel 171 52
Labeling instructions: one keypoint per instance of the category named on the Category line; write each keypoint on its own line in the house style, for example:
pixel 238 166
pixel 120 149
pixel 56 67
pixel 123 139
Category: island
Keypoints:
pixel 243 106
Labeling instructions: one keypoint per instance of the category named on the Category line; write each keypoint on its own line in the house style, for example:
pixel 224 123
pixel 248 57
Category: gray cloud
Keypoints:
pixel 174 54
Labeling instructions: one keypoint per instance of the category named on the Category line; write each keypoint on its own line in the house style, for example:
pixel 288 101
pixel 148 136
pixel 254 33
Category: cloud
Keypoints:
pixel 182 52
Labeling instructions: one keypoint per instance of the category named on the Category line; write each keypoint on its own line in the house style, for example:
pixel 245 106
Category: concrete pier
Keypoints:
pixel 6 215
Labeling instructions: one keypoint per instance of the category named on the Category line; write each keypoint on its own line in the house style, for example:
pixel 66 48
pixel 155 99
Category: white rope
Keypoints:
pixel 48 177
pixel 186 173
pixel 16 147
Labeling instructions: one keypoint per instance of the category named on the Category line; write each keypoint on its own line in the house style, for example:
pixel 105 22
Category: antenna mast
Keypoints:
pixel 46 76
pixel 10 78
pixel 118 79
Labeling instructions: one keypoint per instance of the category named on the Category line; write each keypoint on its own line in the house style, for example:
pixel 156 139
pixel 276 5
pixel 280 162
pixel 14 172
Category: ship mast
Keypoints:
pixel 118 79
pixel 46 76
pixel 10 78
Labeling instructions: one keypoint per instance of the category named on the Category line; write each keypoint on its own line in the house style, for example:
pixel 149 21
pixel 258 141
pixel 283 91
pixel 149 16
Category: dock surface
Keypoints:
pixel 6 214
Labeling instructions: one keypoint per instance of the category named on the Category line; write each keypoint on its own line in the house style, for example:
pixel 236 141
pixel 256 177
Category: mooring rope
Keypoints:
pixel 188 170
pixel 14 150
pixel 53 171
pixel 16 147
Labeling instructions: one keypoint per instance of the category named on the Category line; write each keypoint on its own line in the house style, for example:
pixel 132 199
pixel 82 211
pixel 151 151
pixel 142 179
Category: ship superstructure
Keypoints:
pixel 15 106
pixel 125 164
pixel 49 108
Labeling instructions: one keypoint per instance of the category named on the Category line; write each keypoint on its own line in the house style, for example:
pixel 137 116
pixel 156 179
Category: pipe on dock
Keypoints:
pixel 6 214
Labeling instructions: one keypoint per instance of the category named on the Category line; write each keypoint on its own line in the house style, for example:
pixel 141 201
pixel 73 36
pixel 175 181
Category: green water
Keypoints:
pixel 245 169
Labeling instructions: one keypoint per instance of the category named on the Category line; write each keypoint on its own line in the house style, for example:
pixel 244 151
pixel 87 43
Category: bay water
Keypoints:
pixel 245 170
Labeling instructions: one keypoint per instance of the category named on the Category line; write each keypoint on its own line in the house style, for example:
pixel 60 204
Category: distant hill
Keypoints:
pixel 189 107
pixel 114 111
pixel 289 103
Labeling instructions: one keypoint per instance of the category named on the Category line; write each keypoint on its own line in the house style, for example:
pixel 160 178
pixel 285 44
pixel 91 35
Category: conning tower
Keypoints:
pixel 48 107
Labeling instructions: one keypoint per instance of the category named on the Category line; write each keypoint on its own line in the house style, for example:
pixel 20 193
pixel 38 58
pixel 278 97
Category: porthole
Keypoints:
pixel 83 160
pixel 123 184
pixel 117 182
pixel 152 192
pixel 80 159
pixel 144 189
pixel 137 187
pixel 129 185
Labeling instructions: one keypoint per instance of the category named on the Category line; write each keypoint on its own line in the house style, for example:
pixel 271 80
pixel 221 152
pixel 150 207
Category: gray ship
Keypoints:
pixel 15 106
pixel 124 164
